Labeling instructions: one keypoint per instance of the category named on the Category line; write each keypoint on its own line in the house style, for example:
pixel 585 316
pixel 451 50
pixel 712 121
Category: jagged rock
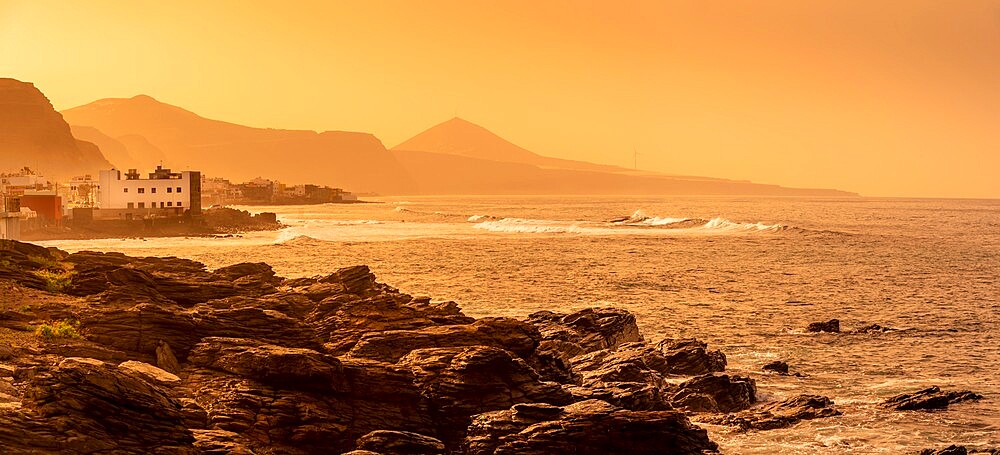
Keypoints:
pixel 929 398
pixel 219 442
pixel 691 357
pixel 634 396
pixel 587 427
pixel 461 382
pixel 287 368
pixel 389 346
pixel 589 330
pixel 165 358
pixel 356 280
pixel 776 366
pixel 778 415
pixel 875 328
pixel 832 326
pixel 400 442
pixel 85 406
pixel 715 393
pixel 960 450
pixel 150 373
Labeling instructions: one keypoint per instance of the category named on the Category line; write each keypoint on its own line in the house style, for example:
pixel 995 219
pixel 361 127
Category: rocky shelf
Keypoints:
pixel 105 353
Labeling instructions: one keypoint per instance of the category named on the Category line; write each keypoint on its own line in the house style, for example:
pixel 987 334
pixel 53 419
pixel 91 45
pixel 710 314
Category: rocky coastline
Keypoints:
pixel 105 353
pixel 216 221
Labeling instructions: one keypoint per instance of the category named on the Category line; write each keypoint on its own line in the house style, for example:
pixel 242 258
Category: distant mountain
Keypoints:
pixel 455 157
pixel 152 131
pixel 464 138
pixel 33 134
pixel 458 156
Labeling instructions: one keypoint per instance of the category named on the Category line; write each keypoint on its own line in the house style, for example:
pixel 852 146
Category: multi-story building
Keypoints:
pixel 163 194
pixel 10 217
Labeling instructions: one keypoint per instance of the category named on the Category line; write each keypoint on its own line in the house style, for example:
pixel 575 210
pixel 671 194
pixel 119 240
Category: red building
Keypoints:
pixel 47 206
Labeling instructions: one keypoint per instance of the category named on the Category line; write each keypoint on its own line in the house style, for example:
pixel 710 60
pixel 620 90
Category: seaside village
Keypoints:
pixel 31 201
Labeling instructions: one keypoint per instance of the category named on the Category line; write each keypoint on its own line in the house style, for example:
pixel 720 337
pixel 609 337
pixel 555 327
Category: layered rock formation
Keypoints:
pixel 34 135
pixel 161 355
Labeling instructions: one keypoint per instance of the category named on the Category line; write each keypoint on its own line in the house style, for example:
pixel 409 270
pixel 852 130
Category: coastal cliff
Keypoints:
pixel 101 352
pixel 33 134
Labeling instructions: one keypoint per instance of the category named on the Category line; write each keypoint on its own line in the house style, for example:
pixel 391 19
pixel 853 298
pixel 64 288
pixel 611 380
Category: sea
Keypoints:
pixel 744 274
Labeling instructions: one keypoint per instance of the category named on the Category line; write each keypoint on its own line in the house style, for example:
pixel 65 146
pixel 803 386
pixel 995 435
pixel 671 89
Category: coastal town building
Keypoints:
pixel 260 191
pixel 10 217
pixel 162 194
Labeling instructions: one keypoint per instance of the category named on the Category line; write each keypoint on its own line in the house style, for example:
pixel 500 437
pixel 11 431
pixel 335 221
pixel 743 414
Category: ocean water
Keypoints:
pixel 745 275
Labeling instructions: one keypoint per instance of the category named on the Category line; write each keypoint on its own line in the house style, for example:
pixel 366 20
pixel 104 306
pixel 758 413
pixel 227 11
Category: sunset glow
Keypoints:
pixel 889 98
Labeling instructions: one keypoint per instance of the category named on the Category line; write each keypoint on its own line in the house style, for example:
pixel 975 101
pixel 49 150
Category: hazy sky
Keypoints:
pixel 897 98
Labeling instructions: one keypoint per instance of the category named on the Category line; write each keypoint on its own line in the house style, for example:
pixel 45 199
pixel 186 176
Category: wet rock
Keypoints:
pixel 587 427
pixel 689 356
pixel 86 406
pixel 715 393
pixel 778 415
pixel 461 382
pixel 875 328
pixel 515 336
pixel 587 330
pixel 929 398
pixel 950 450
pixel 634 396
pixel 400 442
pixel 832 326
pixel 777 367
pixel 357 280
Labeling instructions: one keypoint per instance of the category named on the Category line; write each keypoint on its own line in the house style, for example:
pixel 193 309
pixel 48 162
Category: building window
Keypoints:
pixel 152 190
pixel 170 189
pixel 171 203
pixel 142 205
pixel 126 190
pixel 179 204
pixel 162 204
pixel 178 189
pixel 131 205
pixel 142 190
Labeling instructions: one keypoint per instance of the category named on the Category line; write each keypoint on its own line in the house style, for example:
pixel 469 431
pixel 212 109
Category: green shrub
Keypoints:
pixel 47 263
pixel 59 329
pixel 55 281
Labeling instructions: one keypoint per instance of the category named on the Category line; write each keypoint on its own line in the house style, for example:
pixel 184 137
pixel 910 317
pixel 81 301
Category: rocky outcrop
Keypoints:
pixel 586 427
pixel 183 359
pixel 929 398
pixel 33 134
pixel 715 393
pixel 831 326
pixel 960 450
pixel 86 406
pixel 780 414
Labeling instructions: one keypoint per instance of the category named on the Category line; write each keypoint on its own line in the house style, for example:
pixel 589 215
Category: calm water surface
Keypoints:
pixel 744 274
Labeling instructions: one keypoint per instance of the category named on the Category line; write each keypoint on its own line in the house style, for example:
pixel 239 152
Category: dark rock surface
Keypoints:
pixel 585 427
pixel 777 366
pixel 929 398
pixel 832 326
pixel 182 359
pixel 780 414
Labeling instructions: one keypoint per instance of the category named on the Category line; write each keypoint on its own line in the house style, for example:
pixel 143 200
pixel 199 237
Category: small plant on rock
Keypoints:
pixel 55 281
pixel 59 329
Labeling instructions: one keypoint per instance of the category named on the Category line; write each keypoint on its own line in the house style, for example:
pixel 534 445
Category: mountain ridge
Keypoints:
pixel 453 157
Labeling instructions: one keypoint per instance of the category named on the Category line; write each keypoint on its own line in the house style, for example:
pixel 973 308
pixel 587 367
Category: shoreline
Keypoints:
pixel 203 342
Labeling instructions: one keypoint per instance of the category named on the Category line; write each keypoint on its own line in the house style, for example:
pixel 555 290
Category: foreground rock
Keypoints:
pixel 929 398
pixel 959 450
pixel 586 427
pixel 831 326
pixel 182 359
pixel 781 414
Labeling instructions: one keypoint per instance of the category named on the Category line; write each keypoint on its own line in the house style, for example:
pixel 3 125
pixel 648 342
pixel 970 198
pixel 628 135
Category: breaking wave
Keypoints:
pixel 637 223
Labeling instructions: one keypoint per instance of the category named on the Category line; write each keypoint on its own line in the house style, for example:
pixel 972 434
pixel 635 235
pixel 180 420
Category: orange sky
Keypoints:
pixel 893 98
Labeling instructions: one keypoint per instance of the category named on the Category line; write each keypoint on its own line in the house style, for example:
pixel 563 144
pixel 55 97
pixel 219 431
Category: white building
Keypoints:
pixel 10 218
pixel 163 194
